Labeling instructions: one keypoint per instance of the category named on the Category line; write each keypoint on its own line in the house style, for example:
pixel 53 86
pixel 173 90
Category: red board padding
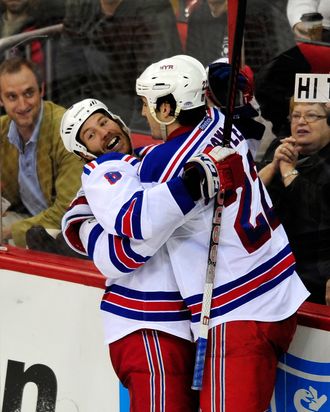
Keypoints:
pixel 139 140
pixel 52 266
pixel 84 272
pixel 314 316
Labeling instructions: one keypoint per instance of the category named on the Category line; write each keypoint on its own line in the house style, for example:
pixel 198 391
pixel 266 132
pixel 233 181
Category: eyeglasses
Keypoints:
pixel 309 117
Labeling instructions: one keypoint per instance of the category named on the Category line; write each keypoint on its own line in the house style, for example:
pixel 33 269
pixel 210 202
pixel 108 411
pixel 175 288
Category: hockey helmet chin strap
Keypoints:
pixel 163 125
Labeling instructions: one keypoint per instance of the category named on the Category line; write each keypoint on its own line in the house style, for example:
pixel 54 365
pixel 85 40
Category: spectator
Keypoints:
pixel 38 176
pixel 21 16
pixel 267 31
pixel 295 10
pixel 106 44
pixel 207 31
pixel 274 83
pixel 298 179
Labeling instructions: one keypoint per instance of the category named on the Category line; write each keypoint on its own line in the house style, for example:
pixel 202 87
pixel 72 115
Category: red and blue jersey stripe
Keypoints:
pixel 106 157
pixel 145 306
pixel 233 294
pixel 120 253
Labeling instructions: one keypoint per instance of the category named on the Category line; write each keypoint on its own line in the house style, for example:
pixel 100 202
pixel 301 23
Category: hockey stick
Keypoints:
pixel 218 205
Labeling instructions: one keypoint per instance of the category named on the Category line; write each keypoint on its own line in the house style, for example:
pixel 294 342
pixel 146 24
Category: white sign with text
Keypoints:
pixel 312 88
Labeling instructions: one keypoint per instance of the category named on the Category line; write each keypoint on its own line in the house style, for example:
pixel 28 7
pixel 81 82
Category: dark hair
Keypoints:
pixel 15 64
pixel 186 117
pixel 105 113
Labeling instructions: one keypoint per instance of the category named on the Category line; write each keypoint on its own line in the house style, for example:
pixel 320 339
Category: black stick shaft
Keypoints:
pixel 236 60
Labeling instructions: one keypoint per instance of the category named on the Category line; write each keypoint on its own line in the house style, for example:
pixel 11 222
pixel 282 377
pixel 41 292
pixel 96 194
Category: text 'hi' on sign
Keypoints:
pixel 312 88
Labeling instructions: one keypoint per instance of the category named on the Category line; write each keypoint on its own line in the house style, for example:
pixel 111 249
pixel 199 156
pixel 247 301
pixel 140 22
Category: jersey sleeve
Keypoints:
pixel 116 254
pixel 123 206
pixel 113 255
pixel 77 213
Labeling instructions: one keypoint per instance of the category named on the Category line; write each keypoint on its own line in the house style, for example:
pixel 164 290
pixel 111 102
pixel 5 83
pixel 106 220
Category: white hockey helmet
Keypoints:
pixel 182 76
pixel 76 116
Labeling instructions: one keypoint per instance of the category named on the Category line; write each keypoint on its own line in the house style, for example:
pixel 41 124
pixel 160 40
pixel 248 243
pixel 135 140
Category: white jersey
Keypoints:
pixel 149 296
pixel 255 276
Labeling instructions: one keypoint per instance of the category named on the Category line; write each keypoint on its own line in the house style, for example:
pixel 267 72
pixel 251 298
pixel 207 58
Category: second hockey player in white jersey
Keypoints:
pixel 147 324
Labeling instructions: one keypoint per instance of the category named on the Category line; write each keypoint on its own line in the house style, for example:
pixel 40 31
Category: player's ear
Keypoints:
pixel 166 109
pixel 42 89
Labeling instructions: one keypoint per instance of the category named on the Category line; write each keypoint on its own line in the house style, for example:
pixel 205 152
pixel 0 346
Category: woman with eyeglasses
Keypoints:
pixel 298 181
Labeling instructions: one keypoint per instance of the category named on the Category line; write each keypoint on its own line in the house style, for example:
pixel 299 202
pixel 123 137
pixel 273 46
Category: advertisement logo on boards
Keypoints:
pixel 301 386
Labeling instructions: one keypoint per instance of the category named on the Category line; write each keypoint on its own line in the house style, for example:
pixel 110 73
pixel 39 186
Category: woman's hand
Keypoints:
pixel 287 152
pixel 284 160
pixel 286 156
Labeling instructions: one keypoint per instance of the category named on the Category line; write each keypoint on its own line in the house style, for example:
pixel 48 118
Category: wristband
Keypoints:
pixel 292 172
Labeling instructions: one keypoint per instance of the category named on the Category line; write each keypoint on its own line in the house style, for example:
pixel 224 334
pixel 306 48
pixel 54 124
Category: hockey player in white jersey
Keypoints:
pixel 146 321
pixel 257 291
